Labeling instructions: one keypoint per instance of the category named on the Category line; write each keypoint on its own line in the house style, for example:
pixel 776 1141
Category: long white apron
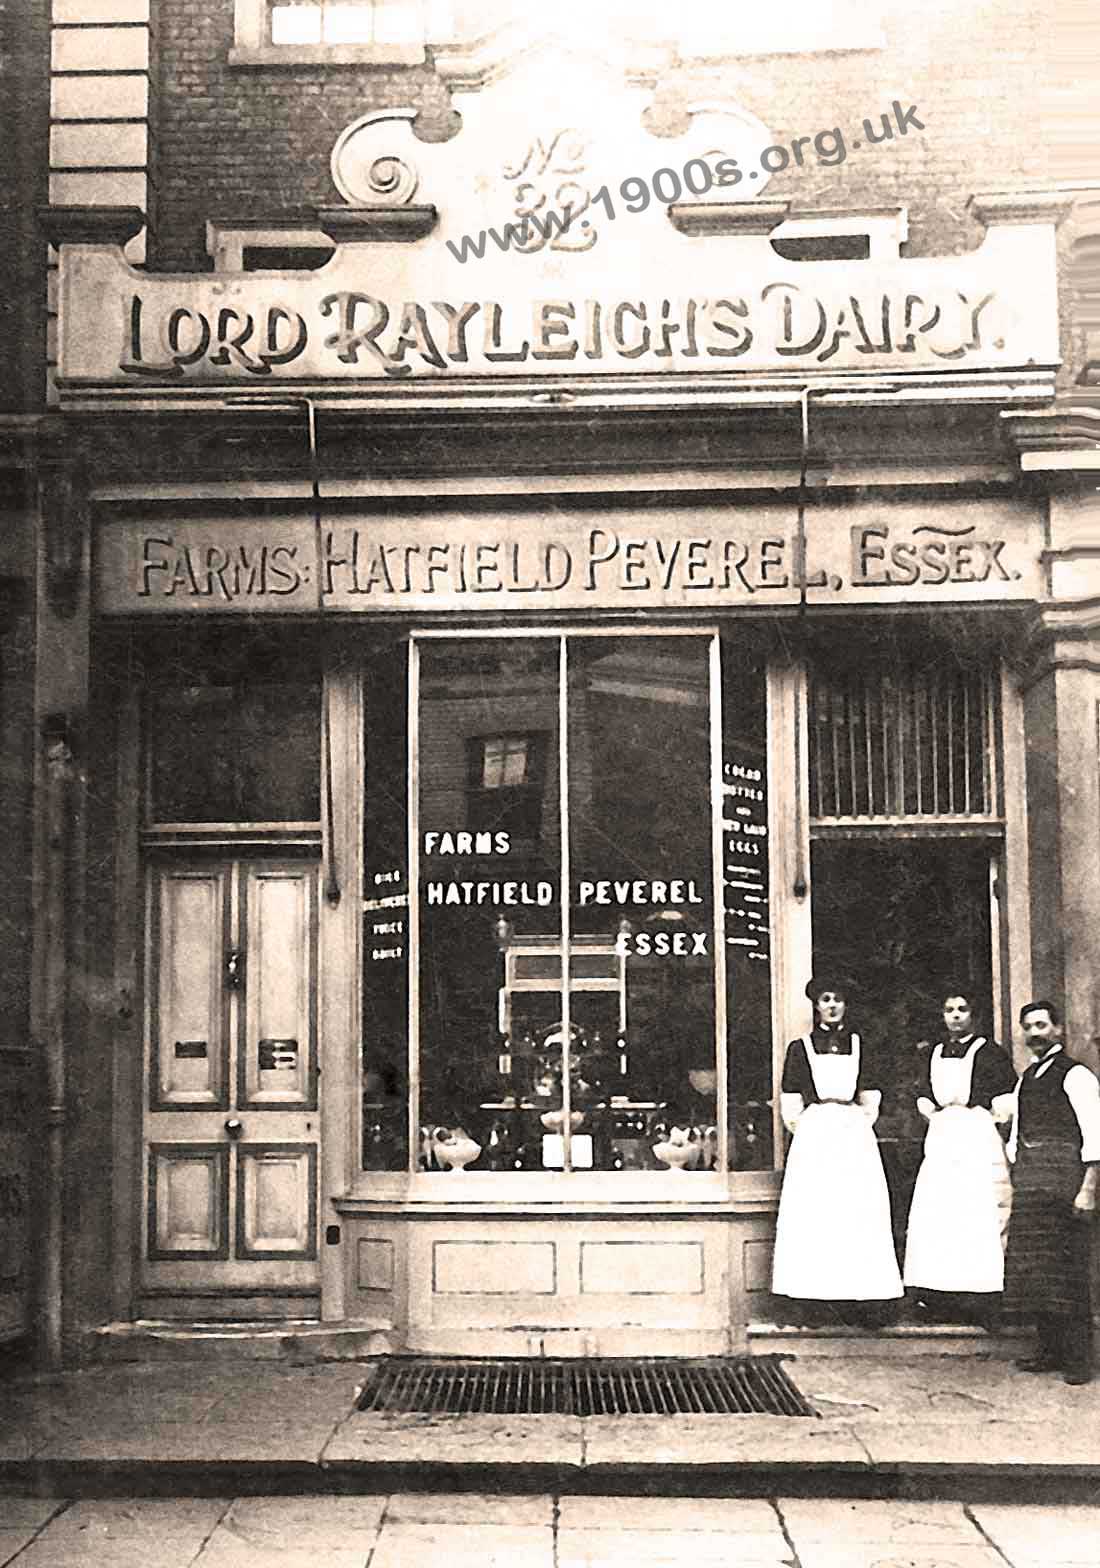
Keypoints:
pixel 833 1240
pixel 958 1218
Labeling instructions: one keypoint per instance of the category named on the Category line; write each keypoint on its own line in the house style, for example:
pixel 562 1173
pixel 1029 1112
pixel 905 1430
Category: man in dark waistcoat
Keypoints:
pixel 1054 1148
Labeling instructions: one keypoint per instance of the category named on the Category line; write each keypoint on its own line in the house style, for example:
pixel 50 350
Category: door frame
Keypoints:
pixel 338 960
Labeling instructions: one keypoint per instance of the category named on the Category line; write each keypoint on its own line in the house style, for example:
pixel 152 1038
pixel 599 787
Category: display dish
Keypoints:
pixel 679 1151
pixel 454 1150
pixel 554 1121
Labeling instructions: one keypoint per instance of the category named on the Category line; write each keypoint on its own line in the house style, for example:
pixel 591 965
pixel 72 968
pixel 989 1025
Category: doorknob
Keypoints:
pixel 234 969
pixel 234 1126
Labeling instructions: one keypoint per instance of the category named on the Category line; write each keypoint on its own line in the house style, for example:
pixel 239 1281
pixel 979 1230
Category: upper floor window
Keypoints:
pixel 346 22
pixel 504 760
pixel 384 32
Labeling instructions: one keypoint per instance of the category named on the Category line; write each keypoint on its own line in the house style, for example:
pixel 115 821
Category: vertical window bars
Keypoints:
pixel 909 741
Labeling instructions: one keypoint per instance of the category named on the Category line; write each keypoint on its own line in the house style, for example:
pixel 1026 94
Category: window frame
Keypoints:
pixel 252 44
pixel 567 1185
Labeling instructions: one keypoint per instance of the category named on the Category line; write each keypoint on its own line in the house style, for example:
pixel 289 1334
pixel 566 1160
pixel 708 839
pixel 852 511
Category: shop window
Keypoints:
pixel 570 980
pixel 747 884
pixel 385 1041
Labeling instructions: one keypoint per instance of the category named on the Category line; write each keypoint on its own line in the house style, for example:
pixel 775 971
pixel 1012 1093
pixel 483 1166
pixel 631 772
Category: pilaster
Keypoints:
pixel 59 854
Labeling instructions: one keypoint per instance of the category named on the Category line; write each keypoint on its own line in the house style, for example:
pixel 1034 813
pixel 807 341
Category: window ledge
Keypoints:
pixel 267 55
pixel 748 1192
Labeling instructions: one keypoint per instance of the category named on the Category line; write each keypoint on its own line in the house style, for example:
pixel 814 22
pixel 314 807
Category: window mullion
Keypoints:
pixel 563 902
pixel 413 910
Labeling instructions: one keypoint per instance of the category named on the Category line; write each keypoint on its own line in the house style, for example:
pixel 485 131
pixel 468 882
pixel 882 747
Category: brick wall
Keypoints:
pixel 24 107
pixel 237 142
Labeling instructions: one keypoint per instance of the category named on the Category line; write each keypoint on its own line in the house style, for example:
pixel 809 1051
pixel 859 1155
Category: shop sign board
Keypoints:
pixel 544 561
pixel 690 305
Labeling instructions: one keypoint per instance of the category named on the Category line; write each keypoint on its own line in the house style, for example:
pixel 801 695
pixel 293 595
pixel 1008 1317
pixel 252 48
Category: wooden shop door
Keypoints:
pixel 231 1126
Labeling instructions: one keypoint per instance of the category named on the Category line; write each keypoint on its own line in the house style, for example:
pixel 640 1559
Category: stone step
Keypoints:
pixel 901 1340
pixel 295 1342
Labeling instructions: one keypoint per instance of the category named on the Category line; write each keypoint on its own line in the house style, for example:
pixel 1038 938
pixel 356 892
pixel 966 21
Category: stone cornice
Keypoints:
pixel 1062 439
pixel 64 225
pixel 1035 206
pixel 362 225
pixel 733 217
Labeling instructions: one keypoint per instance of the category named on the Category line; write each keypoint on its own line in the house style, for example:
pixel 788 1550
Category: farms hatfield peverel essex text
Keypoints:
pixel 355 565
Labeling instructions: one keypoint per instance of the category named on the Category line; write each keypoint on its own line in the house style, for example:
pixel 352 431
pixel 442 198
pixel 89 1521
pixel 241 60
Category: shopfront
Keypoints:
pixel 483 764
pixel 468 943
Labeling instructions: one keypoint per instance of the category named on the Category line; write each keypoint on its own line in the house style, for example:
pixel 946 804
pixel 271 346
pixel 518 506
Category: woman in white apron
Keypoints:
pixel 958 1219
pixel 833 1238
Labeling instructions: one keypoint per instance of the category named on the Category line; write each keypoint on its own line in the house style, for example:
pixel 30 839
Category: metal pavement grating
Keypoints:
pixel 739 1385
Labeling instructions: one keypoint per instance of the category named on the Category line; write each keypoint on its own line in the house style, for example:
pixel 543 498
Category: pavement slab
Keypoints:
pixel 821 1520
pixel 1059 1443
pixel 28 1513
pixel 12 1542
pixel 890 1554
pixel 370 1436
pixel 334 1521
pixel 404 1545
pixel 470 1508
pixel 669 1549
pixel 886 1423
pixel 1035 1536
pixel 223 1551
pixel 136 1533
pixel 753 1516
pixel 695 1441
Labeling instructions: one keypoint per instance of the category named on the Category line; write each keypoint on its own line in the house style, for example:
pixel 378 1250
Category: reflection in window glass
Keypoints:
pixel 247 752
pixel 489 856
pixel 504 761
pixel 641 885
pixel 636 1060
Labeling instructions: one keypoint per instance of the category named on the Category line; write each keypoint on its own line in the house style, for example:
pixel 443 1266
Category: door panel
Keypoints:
pixel 278 1048
pixel 190 1036
pixel 188 1201
pixel 275 1202
pixel 231 1123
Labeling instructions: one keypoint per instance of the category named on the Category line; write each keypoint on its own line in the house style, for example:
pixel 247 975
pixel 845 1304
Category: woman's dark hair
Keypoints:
pixel 829 980
pixel 963 988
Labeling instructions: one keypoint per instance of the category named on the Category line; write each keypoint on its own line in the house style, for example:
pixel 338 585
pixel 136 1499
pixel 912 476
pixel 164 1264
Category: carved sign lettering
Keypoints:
pixel 537 561
pixel 782 323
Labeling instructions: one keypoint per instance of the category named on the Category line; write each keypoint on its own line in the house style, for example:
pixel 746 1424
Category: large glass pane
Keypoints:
pixel 489 900
pixel 246 752
pixel 643 1081
pixel 747 897
pixel 386 912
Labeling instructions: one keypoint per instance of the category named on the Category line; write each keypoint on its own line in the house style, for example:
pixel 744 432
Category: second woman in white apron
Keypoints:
pixel 959 1215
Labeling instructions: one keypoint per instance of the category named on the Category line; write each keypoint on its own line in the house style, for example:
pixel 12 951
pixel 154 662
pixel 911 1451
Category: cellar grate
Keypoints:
pixel 744 1385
